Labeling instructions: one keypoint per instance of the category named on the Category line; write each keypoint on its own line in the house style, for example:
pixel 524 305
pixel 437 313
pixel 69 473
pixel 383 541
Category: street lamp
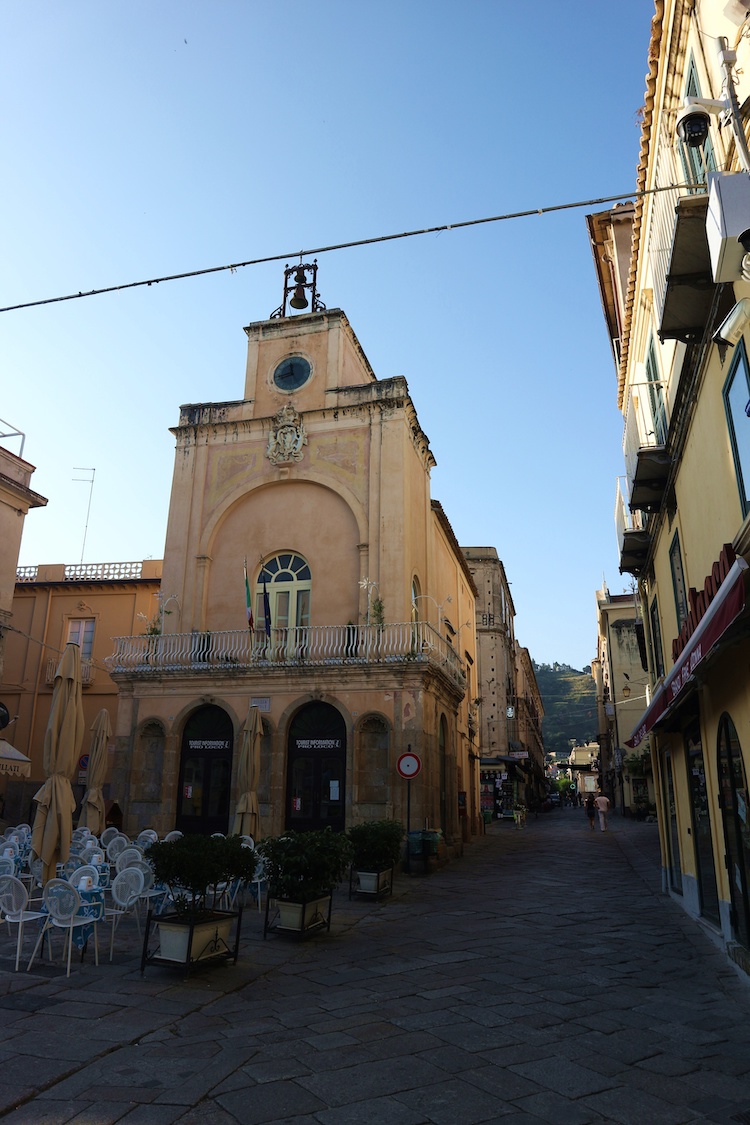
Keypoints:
pixel 369 585
pixel 439 605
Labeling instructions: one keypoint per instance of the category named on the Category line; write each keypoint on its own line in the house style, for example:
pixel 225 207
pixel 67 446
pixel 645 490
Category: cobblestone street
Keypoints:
pixel 543 977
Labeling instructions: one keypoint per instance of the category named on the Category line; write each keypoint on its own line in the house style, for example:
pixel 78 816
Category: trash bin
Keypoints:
pixel 487 816
pixel 431 840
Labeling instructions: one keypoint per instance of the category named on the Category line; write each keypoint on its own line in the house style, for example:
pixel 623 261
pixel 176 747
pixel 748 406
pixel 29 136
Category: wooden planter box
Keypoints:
pixel 191 943
pixel 299 919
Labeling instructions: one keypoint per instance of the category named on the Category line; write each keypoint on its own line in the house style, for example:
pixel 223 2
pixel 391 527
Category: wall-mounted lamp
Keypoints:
pixel 731 328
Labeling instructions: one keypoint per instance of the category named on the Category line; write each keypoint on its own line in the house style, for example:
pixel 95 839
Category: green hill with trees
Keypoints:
pixel 569 699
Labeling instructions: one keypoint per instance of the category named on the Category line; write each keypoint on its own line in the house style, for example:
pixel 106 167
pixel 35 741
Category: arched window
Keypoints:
pixel 288 584
pixel 733 801
pixel 416 593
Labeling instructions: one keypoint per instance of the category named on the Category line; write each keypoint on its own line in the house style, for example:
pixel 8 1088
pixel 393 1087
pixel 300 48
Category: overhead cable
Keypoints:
pixel 343 246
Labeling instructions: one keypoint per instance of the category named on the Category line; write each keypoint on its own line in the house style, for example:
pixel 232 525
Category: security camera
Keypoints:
pixel 732 327
pixel 692 125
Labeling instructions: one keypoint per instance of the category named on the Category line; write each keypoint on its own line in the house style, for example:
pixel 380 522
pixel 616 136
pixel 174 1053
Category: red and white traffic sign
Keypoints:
pixel 409 765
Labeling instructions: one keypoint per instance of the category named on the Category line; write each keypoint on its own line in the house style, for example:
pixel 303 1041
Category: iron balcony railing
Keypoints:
pixel 670 169
pixel 646 421
pixel 625 520
pixel 88 672
pixel 240 650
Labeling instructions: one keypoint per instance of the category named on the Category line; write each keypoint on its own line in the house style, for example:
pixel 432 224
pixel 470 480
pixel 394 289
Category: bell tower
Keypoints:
pixel 301 360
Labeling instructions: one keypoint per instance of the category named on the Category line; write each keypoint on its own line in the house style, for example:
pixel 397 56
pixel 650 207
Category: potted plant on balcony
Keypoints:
pixel 302 869
pixel 197 870
pixel 376 846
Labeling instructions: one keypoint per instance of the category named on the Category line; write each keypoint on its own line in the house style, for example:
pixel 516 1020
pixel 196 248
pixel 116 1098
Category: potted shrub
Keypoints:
pixel 376 848
pixel 302 869
pixel 196 870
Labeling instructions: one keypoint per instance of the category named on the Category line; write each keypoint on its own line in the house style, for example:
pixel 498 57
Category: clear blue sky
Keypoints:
pixel 145 139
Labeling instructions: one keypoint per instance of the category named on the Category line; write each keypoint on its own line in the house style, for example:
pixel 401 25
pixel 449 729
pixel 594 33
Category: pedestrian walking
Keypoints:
pixel 590 810
pixel 602 807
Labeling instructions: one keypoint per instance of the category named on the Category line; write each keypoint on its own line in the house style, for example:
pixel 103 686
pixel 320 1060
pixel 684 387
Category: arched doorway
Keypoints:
pixel 316 769
pixel 702 839
pixel 205 772
pixel 735 812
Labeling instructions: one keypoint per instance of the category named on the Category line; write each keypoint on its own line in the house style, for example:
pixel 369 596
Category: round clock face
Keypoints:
pixel 292 373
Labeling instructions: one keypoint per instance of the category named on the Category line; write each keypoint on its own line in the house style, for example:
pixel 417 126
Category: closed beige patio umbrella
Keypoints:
pixel 53 822
pixel 93 815
pixel 247 815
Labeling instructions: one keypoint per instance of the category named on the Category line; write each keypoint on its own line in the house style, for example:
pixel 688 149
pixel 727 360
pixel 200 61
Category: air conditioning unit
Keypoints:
pixel 728 217
pixel 737 11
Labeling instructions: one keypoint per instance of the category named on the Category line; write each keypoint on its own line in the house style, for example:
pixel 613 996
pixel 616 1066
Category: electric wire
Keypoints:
pixel 232 267
pixel 50 648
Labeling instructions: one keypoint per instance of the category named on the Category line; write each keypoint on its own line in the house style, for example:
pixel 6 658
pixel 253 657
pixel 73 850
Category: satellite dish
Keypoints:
pixel 4 716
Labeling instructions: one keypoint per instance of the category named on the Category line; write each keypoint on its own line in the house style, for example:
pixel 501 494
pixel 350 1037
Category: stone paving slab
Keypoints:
pixel 492 990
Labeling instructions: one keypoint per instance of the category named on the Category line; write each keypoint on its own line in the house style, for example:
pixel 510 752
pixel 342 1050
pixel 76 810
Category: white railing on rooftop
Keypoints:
pixel 240 650
pixel 87 572
pixel 99 572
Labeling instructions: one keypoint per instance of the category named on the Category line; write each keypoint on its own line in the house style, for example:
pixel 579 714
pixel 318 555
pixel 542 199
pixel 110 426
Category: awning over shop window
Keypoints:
pixel 502 761
pixel 12 762
pixel 720 615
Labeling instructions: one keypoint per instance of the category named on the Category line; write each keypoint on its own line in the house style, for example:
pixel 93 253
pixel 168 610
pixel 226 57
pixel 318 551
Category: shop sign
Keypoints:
pixel 699 602
pixel 318 743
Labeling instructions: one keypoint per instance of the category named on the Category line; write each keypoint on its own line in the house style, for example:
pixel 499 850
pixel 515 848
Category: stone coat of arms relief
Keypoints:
pixel 287 438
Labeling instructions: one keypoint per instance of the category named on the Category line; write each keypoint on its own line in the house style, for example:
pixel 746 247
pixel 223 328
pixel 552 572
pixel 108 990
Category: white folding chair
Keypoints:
pixel 259 881
pixel 127 857
pixel 117 845
pixel 82 872
pixel 170 836
pixel 7 865
pixel 108 835
pixel 63 904
pixel 14 899
pixel 126 889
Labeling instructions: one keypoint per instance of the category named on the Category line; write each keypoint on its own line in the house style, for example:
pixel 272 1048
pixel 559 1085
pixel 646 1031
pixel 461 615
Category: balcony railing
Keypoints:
pixel 86 572
pixel 88 672
pixel 625 520
pixel 644 444
pixel 633 539
pixel 646 421
pixel 240 650
pixel 99 572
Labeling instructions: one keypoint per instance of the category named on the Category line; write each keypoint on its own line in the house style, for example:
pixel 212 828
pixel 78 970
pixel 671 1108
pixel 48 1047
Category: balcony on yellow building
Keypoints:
pixel 242 652
pixel 645 444
pixel 633 537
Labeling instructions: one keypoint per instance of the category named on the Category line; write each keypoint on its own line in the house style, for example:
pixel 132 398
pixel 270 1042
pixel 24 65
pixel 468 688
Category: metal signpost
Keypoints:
pixel 408 766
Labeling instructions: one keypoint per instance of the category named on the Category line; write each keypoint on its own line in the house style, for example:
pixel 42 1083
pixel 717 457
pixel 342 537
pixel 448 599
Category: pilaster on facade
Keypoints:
pixel 16 499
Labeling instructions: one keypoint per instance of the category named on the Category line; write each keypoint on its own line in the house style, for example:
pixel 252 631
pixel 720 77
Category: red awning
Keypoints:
pixel 722 612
